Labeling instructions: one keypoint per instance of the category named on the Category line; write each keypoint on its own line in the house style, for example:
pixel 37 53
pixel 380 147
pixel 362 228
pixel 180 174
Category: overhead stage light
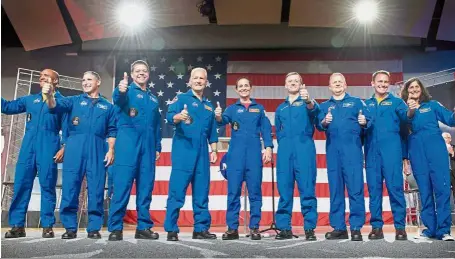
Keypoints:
pixel 132 14
pixel 366 11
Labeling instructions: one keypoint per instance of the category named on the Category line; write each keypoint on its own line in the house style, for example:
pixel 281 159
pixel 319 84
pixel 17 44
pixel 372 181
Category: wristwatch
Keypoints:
pixel 308 101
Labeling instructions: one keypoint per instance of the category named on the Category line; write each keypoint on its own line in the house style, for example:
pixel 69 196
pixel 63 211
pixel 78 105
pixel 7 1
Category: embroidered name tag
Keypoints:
pixel 388 103
pixel 299 103
pixel 140 96
pixel 371 104
pixel 83 103
pixel 208 107
pixel 348 105
pixel 424 110
pixel 102 106
pixel 36 101
pixel 254 110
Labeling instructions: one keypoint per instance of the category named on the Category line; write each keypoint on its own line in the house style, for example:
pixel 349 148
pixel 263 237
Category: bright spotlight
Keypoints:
pixel 366 11
pixel 132 14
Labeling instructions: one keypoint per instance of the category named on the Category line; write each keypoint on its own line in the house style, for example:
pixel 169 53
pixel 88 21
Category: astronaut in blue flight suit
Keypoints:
pixel 40 152
pixel 91 121
pixel 384 155
pixel 139 139
pixel 193 118
pixel 296 159
pixel 342 118
pixel 249 122
pixel 428 155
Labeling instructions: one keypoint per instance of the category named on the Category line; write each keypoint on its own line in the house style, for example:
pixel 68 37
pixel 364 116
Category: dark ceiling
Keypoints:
pixel 10 38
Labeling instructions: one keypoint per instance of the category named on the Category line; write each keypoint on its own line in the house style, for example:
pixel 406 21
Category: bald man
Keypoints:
pixel 40 152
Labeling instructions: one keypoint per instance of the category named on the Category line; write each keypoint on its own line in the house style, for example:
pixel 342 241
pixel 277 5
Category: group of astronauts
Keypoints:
pixel 393 132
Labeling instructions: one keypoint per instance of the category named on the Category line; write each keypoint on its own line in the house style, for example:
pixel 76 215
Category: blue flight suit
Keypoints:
pixel 40 144
pixel 90 122
pixel 138 140
pixel 244 158
pixel 345 160
pixel 296 161
pixel 384 158
pixel 190 160
pixel 428 155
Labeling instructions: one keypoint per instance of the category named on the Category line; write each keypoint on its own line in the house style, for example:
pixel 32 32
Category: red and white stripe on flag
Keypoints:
pixel 267 77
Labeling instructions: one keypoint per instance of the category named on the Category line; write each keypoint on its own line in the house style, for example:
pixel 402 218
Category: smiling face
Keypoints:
pixel 48 76
pixel 243 88
pixel 140 74
pixel 90 83
pixel 415 90
pixel 381 84
pixel 198 80
pixel 293 83
pixel 337 84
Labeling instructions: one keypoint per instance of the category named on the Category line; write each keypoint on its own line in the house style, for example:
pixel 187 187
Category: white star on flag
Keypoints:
pixel 216 93
pixel 151 84
pixel 199 59
pixel 159 109
pixel 165 121
pixel 162 59
pixel 218 59
pixel 188 84
pixel 153 68
pixel 190 67
pixel 162 76
pixel 218 130
pixel 208 83
pixel 217 76
pixel 171 68
pixel 209 67
pixel 180 76
pixel 170 84
pixel 160 93
pixel 179 92
pixel 168 101
pixel 181 59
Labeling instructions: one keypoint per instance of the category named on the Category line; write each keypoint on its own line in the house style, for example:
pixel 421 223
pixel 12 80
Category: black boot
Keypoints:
pixel 376 233
pixel 356 235
pixel 172 236
pixel 255 234
pixel 231 234
pixel 337 234
pixel 401 235
pixel 284 234
pixel 146 234
pixel 69 235
pixel 116 235
pixel 94 235
pixel 15 232
pixel 309 235
pixel 48 233
pixel 203 235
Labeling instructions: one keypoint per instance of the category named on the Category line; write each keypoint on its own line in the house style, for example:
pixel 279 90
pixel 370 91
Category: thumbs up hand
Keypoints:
pixel 361 119
pixel 218 110
pixel 328 118
pixel 412 104
pixel 304 93
pixel 48 88
pixel 123 85
pixel 184 113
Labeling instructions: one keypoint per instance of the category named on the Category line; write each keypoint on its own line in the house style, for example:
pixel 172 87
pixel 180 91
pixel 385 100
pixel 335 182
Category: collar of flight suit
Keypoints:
pixel 253 102
pixel 346 96
pixel 299 98
pixel 135 86
pixel 389 96
pixel 190 93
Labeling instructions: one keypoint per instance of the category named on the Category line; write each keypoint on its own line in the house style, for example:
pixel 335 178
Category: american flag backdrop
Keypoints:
pixel 169 76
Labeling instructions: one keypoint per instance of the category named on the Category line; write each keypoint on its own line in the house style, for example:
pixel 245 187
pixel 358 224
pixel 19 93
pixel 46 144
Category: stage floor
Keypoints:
pixel 35 246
